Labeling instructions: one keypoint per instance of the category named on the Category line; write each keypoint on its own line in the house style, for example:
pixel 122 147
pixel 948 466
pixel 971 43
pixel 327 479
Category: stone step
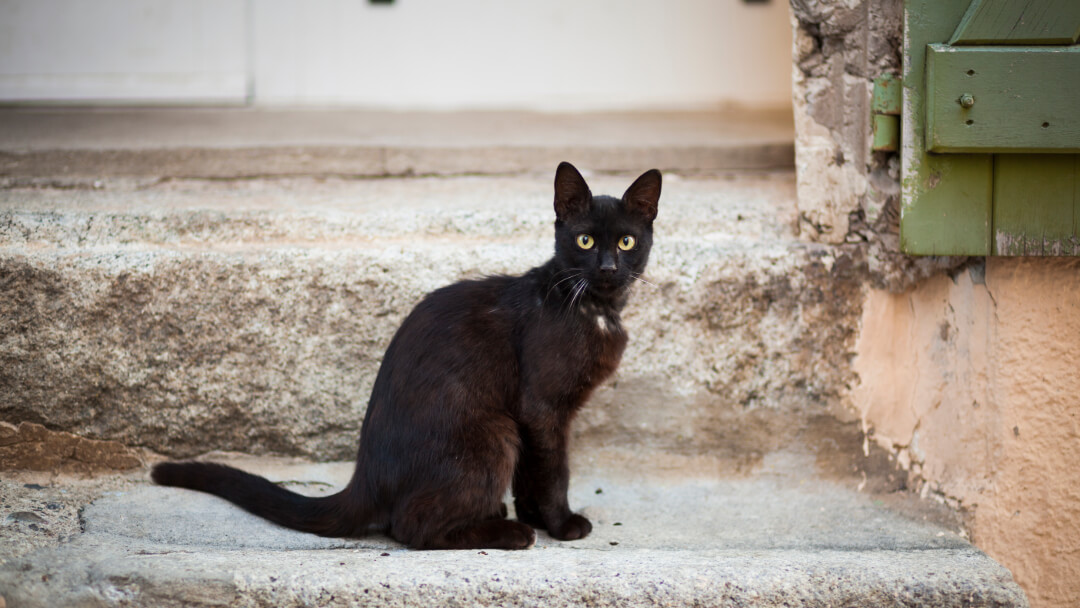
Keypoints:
pixel 252 315
pixel 662 536
pixel 191 280
pixel 71 144
pixel 740 209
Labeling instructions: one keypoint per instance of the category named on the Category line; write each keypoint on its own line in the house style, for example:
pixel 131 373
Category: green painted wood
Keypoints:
pixel 953 213
pixel 1022 99
pixel 946 200
pixel 1019 22
pixel 969 201
pixel 1036 204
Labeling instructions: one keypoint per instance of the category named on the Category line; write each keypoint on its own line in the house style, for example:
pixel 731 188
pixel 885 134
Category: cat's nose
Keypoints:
pixel 607 263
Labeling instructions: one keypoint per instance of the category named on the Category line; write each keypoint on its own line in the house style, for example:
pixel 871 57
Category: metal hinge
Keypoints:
pixel 885 113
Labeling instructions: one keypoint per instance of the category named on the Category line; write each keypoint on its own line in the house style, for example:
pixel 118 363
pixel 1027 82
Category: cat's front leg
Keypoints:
pixel 540 484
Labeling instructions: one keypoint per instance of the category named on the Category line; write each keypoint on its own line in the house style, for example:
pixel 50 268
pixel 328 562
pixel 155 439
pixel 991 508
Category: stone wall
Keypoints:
pixel 849 195
pixel 966 367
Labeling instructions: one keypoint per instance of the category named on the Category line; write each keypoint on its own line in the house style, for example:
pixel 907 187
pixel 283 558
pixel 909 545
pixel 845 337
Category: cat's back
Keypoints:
pixel 466 305
pixel 457 331
pixel 452 364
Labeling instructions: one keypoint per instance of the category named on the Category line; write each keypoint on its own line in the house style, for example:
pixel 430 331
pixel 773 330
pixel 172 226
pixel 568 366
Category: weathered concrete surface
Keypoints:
pixel 977 393
pixel 33 447
pixel 849 194
pixel 252 315
pixel 65 144
pixel 781 537
pixel 835 63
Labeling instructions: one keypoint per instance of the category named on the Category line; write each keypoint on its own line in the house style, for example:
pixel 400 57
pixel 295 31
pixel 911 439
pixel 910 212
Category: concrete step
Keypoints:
pixel 65 144
pixel 190 280
pixel 664 535
pixel 252 315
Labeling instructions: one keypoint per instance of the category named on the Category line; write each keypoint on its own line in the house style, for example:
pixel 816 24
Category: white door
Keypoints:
pixel 150 51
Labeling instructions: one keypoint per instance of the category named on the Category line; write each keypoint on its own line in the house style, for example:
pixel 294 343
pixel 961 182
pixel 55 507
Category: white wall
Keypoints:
pixel 124 50
pixel 551 54
pixel 413 54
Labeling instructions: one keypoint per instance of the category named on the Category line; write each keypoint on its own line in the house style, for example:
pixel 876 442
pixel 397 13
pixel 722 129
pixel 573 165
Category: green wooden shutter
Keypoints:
pixel 991 119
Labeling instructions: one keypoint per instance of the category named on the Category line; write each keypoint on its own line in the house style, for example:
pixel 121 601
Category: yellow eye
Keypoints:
pixel 585 241
pixel 627 243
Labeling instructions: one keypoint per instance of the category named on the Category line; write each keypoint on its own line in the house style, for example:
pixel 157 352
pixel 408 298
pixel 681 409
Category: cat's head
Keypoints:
pixel 607 239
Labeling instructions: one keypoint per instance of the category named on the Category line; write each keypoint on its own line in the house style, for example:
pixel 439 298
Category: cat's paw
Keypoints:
pixel 573 528
pixel 524 539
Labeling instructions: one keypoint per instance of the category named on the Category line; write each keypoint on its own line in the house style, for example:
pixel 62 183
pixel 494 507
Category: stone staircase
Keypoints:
pixel 187 281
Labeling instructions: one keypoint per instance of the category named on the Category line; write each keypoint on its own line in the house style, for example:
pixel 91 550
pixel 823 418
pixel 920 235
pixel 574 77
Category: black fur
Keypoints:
pixel 476 393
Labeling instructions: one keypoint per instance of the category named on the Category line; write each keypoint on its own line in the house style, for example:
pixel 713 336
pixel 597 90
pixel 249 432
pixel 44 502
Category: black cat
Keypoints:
pixel 476 393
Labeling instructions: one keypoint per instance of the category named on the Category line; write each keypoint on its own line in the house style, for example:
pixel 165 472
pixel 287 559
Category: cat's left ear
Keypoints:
pixel 643 196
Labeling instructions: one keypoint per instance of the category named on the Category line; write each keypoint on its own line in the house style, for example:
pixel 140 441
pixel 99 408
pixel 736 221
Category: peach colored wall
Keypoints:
pixel 974 382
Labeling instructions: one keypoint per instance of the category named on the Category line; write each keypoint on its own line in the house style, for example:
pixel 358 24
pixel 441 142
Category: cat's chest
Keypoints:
pixel 599 327
pixel 604 339
pixel 571 355
pixel 604 324
pixel 592 332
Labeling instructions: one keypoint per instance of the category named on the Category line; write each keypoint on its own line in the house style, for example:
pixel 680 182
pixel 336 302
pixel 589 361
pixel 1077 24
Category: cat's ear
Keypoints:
pixel 572 194
pixel 643 196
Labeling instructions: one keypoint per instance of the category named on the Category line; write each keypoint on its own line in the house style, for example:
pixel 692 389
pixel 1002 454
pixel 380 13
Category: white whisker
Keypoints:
pixel 575 294
pixel 637 277
pixel 580 289
pixel 577 273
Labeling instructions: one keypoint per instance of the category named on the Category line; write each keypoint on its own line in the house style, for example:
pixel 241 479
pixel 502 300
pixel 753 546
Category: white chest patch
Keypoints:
pixel 602 323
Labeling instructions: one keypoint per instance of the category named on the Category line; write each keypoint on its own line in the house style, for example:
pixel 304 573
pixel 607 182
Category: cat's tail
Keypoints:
pixel 336 515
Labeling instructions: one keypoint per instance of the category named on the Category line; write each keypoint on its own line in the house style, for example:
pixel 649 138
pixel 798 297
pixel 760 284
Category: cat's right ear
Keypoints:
pixel 572 195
